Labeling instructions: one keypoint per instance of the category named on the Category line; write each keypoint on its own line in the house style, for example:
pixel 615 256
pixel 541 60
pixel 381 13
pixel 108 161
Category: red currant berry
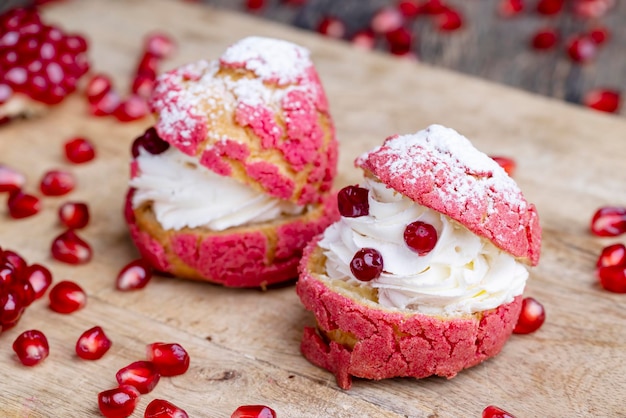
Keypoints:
pixel 352 202
pixel 367 264
pixel 420 237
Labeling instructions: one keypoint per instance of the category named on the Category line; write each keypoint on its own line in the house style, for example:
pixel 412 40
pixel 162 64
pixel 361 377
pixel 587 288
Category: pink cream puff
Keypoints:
pixel 424 273
pixel 235 177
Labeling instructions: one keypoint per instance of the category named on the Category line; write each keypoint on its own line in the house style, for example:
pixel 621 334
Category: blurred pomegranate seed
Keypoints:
pixel 57 183
pixel 143 85
pixel 79 150
pixel 613 278
pixel 119 402
pixel 132 108
pixel 545 39
pixel 508 164
pixel 74 215
pixel 97 87
pixel 531 317
pixel 5 92
pixel 160 408
pixel 400 41
pixel 332 27
pixel 510 8
pixel 408 8
pixel 22 205
pixel 106 105
pixel 432 7
pixel 135 275
pixel 142 375
pixel 449 20
pixel 171 359
pixel 581 49
pixel 70 248
pixel 550 7
pixel 599 35
pixel 67 297
pixel 609 221
pixel 11 180
pixel 160 45
pixel 613 255
pixel 604 100
pixel 494 412
pixel 254 411
pixel 364 39
pixel 387 19
pixel 254 5
pixel 92 344
pixel 31 347
pixel 39 278
pixel 592 9
pixel 148 65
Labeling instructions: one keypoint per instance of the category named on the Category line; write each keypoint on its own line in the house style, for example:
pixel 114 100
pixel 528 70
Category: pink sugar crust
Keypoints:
pixel 237 259
pixel 396 343
pixel 270 177
pixel 213 157
pixel 440 169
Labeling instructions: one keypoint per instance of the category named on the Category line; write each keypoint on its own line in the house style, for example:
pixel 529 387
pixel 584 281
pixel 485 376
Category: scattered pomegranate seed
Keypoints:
pixel 39 278
pixel 31 347
pixel 142 375
pixel 400 41
pixel 171 359
pixel 160 408
pixel 67 297
pixel 508 164
pixel 605 100
pixel 254 5
pixel 449 20
pixel 599 35
pixel 92 344
pixel 159 44
pixel 106 105
pixel 254 411
pixel 432 7
pixel 592 9
pixel 364 39
pixel 22 205
pixel 11 180
pixel 70 248
pixel 582 49
pixel 353 202
pixel 613 255
pixel 143 85
pixel 495 412
pixel 613 278
pixel 531 317
pixel 150 142
pixel 367 264
pixel 420 237
pixel 74 215
pixel 550 7
pixel 135 275
pixel 387 19
pixel 148 65
pixel 119 402
pixel 132 108
pixel 97 87
pixel 609 221
pixel 510 8
pixel 408 8
pixel 332 27
pixel 11 307
pixel 15 260
pixel 79 150
pixel 57 183
pixel 545 39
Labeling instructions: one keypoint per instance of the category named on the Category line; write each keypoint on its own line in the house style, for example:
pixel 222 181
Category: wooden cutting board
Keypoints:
pixel 244 343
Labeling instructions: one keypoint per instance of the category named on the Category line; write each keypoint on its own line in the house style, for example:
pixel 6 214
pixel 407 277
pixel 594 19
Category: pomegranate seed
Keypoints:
pixel 11 308
pixel 582 49
pixel 432 7
pixel 160 45
pixel 143 85
pixel 400 41
pixel 508 164
pixel 25 292
pixel 74 215
pixel 545 39
pixel 609 221
pixel 494 412
pixel 613 255
pixel 142 375
pixel 420 237
pixel 79 150
pixel 70 248
pixel 67 297
pixel 8 275
pixel 171 359
pixel 74 43
pixel 531 317
pixel 159 408
pixel 11 180
pixel 550 7
pixel 31 347
pixel 449 20
pixel 599 35
pixel 149 141
pixel 510 8
pixel 92 344
pixel 106 105
pixel 605 100
pixel 592 8
pixel 22 205
pixel 97 87
pixel 39 278
pixel 353 202
pixel 15 260
pixel 148 65
pixel 254 411
pixel 135 275
pixel 408 8
pixel 367 264
pixel 57 183
pixel 119 402
pixel 332 27
pixel 254 5
pixel 387 19
pixel 364 39
pixel 133 108
pixel 613 278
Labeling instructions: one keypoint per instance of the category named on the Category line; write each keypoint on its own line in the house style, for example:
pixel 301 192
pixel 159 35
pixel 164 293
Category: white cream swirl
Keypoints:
pixel 186 194
pixel 463 274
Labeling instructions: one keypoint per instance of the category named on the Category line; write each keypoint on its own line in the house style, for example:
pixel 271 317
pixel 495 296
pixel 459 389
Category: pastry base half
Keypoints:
pixel 355 337
pixel 252 256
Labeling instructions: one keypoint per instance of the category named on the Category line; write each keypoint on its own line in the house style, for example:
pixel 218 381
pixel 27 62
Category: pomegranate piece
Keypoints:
pixel 494 412
pixel 599 35
pixel 609 221
pixel 592 9
pixel 352 202
pixel 57 183
pixel 613 255
pixel 11 308
pixel 97 87
pixel 74 215
pixel 143 85
pixel 432 7
pixel 420 237
pixel 508 164
pixel 31 347
pixel 550 7
pixel 92 344
pixel 67 297
pixel 148 65
pixel 613 278
pixel 449 20
pixel 171 359
pixel 604 100
pixel 39 278
pixel 400 41
pixel 11 180
pixel 142 375
pixel 150 142
pixel 332 27
pixel 582 49
pixel 106 105
pixel 387 19
pixel 531 317
pixel 159 44
pixel 22 205
pixel 510 8
pixel 408 8
pixel 135 275
pixel 367 264
pixel 364 39
pixel 545 39
pixel 160 408
pixel 79 150
pixel 254 5
pixel 132 108
pixel 254 411
pixel 119 402
pixel 24 292
pixel 70 248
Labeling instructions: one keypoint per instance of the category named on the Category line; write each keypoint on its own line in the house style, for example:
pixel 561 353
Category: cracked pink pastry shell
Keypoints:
pixel 395 343
pixel 237 259
pixel 440 169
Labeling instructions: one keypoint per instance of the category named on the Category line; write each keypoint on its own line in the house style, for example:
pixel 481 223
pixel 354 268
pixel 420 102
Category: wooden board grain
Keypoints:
pixel 244 343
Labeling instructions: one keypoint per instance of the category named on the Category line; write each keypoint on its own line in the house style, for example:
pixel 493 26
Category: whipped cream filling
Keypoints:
pixel 184 193
pixel 463 274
